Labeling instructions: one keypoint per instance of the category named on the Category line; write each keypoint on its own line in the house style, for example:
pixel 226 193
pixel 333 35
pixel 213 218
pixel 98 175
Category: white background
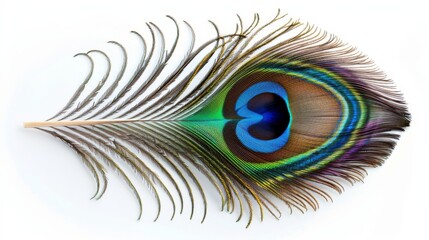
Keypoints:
pixel 45 190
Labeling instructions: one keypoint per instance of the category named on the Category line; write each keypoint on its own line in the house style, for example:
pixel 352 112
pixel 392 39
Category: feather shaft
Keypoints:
pixel 76 123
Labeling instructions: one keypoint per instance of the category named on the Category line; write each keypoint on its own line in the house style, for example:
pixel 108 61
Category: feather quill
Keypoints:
pixel 315 112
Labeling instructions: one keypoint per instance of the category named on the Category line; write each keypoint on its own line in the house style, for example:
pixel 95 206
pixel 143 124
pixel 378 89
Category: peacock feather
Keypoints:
pixel 281 110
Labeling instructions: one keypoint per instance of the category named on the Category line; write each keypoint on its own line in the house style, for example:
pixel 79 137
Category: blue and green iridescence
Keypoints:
pixel 209 122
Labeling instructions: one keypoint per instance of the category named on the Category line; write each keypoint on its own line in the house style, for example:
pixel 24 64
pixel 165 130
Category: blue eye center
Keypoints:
pixel 265 126
pixel 275 116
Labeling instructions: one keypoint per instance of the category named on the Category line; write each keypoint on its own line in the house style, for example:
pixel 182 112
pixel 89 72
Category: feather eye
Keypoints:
pixel 280 110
